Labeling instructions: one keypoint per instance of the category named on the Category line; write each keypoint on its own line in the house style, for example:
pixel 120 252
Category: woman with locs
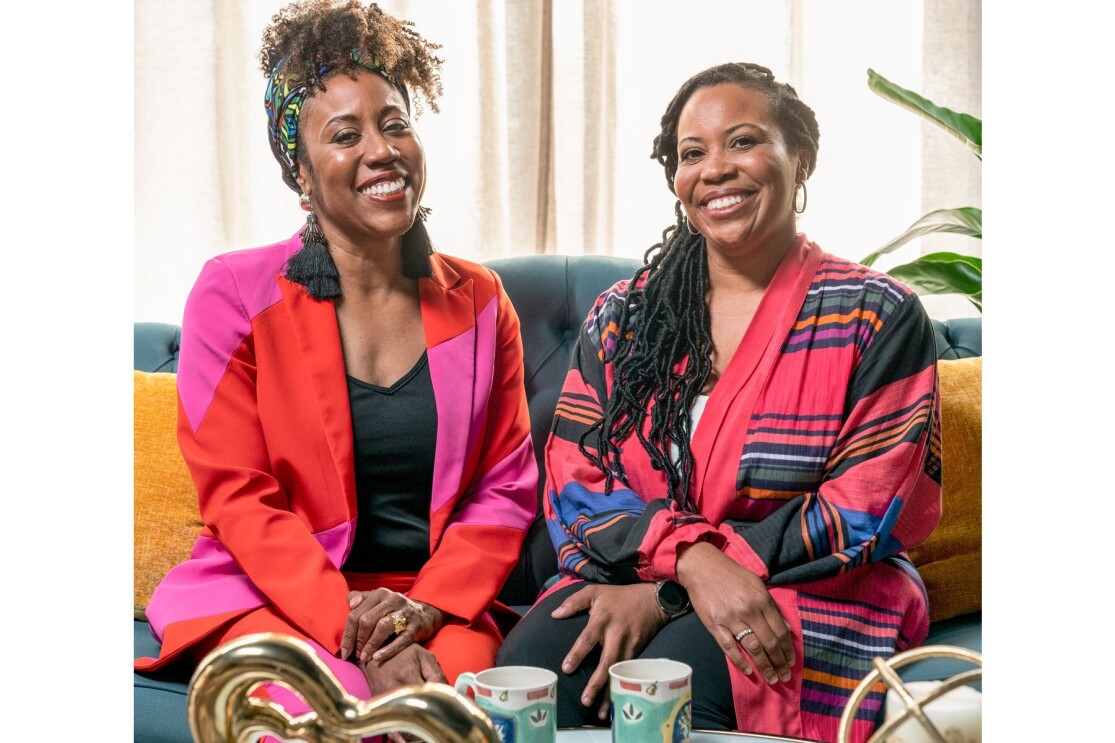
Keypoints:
pixel 351 403
pixel 746 445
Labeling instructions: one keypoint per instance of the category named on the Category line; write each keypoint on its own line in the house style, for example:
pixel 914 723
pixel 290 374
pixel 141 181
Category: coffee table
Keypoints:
pixel 604 735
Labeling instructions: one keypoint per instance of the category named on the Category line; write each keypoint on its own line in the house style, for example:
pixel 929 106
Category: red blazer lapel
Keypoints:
pixel 318 339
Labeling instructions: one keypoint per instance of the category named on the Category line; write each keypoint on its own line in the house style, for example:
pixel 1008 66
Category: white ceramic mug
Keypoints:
pixel 652 701
pixel 520 700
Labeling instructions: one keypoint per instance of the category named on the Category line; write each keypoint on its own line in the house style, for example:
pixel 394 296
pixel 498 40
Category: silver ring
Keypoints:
pixel 744 634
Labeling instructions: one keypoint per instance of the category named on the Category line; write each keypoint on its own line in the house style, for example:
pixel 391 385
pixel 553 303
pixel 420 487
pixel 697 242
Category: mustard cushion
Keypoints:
pixel 166 514
pixel 950 561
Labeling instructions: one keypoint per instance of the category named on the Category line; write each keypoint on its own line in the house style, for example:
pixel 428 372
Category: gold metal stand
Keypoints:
pixel 885 670
pixel 220 710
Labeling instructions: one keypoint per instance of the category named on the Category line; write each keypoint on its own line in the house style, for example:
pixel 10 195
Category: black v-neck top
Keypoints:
pixel 394 434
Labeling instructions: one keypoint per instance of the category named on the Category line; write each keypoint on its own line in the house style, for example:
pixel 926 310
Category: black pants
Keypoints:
pixel 540 640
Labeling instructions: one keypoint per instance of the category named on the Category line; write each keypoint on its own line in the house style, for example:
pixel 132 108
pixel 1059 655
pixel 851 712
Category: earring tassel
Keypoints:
pixel 312 266
pixel 417 248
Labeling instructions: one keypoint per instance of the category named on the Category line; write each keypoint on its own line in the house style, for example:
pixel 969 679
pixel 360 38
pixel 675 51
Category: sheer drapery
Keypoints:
pixel 550 107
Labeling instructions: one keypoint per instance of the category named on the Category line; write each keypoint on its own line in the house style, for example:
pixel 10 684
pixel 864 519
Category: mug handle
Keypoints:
pixel 465 683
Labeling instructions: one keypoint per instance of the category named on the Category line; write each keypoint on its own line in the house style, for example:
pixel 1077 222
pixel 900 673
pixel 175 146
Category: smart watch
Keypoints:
pixel 672 598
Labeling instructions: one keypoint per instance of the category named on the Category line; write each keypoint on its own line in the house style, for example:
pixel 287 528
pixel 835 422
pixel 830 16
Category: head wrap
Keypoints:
pixel 283 103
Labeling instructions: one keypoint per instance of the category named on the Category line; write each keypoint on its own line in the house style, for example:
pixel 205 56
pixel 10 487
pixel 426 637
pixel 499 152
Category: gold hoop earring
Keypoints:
pixel 689 226
pixel 804 198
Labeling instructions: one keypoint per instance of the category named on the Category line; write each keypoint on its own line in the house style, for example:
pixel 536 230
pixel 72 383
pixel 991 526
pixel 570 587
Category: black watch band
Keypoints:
pixel 673 599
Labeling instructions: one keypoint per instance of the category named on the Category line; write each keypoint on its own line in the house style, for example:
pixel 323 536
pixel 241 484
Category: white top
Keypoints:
pixel 694 419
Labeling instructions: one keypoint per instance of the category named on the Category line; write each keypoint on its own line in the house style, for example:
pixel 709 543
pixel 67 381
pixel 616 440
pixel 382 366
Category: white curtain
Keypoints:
pixel 544 135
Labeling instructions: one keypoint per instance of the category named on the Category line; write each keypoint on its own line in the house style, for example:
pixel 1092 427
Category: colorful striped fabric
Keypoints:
pixel 817 464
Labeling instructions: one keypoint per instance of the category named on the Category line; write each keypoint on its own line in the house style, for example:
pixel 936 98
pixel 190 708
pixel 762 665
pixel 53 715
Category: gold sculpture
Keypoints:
pixel 885 669
pixel 220 710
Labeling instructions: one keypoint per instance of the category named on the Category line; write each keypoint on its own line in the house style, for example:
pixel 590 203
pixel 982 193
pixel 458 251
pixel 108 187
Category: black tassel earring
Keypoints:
pixel 417 248
pixel 312 266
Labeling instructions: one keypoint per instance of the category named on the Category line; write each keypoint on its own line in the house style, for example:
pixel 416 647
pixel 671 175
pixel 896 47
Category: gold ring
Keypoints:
pixel 400 622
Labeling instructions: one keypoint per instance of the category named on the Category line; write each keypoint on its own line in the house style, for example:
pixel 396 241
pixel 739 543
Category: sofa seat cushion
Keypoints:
pixel 160 700
pixel 965 631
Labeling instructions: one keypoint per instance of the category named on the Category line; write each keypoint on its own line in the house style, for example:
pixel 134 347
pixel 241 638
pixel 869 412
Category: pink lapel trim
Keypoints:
pixel 449 323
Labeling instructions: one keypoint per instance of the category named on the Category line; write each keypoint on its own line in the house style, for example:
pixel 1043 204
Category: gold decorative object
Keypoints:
pixel 220 710
pixel 885 670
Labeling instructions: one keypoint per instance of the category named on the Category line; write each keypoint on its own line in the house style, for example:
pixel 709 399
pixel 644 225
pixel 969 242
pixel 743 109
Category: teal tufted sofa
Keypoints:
pixel 552 295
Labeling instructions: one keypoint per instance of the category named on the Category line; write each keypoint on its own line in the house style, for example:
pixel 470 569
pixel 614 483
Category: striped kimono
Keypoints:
pixel 817 464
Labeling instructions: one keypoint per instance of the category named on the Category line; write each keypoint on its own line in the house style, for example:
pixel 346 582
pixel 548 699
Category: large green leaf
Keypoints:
pixel 968 129
pixel 944 273
pixel 966 220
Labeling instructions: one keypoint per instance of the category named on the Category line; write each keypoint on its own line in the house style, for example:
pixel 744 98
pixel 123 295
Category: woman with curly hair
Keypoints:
pixel 746 445
pixel 351 403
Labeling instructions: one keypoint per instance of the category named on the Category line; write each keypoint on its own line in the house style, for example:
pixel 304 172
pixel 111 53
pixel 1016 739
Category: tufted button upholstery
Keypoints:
pixel 959 338
pixel 552 295
pixel 156 346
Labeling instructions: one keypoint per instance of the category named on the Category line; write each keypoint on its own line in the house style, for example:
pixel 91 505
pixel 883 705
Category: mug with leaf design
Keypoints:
pixel 652 701
pixel 520 700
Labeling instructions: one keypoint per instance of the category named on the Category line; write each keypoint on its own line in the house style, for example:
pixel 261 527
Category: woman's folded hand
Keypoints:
pixel 414 664
pixel 738 611
pixel 379 616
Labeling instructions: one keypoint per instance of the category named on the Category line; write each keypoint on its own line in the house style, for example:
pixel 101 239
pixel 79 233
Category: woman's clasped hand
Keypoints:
pixel 382 623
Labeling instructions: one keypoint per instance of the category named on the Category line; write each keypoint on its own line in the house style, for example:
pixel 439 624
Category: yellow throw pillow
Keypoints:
pixel 950 561
pixel 166 514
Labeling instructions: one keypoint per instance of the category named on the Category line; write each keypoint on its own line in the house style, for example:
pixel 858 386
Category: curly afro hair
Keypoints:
pixel 309 34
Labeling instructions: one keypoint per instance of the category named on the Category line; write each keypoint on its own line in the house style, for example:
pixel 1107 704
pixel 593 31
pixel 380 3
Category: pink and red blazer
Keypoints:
pixel 265 428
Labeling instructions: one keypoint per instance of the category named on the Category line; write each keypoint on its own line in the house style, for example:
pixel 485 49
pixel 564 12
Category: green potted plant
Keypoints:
pixel 942 272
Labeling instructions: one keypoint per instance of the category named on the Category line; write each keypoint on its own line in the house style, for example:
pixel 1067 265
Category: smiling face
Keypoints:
pixel 735 176
pixel 366 166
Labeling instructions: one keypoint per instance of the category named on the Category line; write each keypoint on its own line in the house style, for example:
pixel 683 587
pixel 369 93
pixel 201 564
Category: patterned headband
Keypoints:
pixel 283 103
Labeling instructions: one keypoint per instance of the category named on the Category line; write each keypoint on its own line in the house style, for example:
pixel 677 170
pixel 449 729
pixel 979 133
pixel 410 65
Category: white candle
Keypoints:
pixel 958 714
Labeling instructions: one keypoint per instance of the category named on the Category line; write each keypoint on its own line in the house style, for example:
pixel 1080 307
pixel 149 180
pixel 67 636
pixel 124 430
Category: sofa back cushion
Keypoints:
pixel 166 513
pixel 552 295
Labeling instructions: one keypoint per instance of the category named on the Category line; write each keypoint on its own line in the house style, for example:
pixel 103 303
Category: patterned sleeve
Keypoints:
pixel 880 493
pixel 617 537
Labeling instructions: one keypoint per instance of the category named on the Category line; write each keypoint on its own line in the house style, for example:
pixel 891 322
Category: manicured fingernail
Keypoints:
pixel 377 656
pixel 771 679
pixel 567 667
pixel 785 677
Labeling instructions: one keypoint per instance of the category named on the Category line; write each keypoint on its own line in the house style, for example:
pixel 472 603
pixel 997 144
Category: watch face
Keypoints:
pixel 672 597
